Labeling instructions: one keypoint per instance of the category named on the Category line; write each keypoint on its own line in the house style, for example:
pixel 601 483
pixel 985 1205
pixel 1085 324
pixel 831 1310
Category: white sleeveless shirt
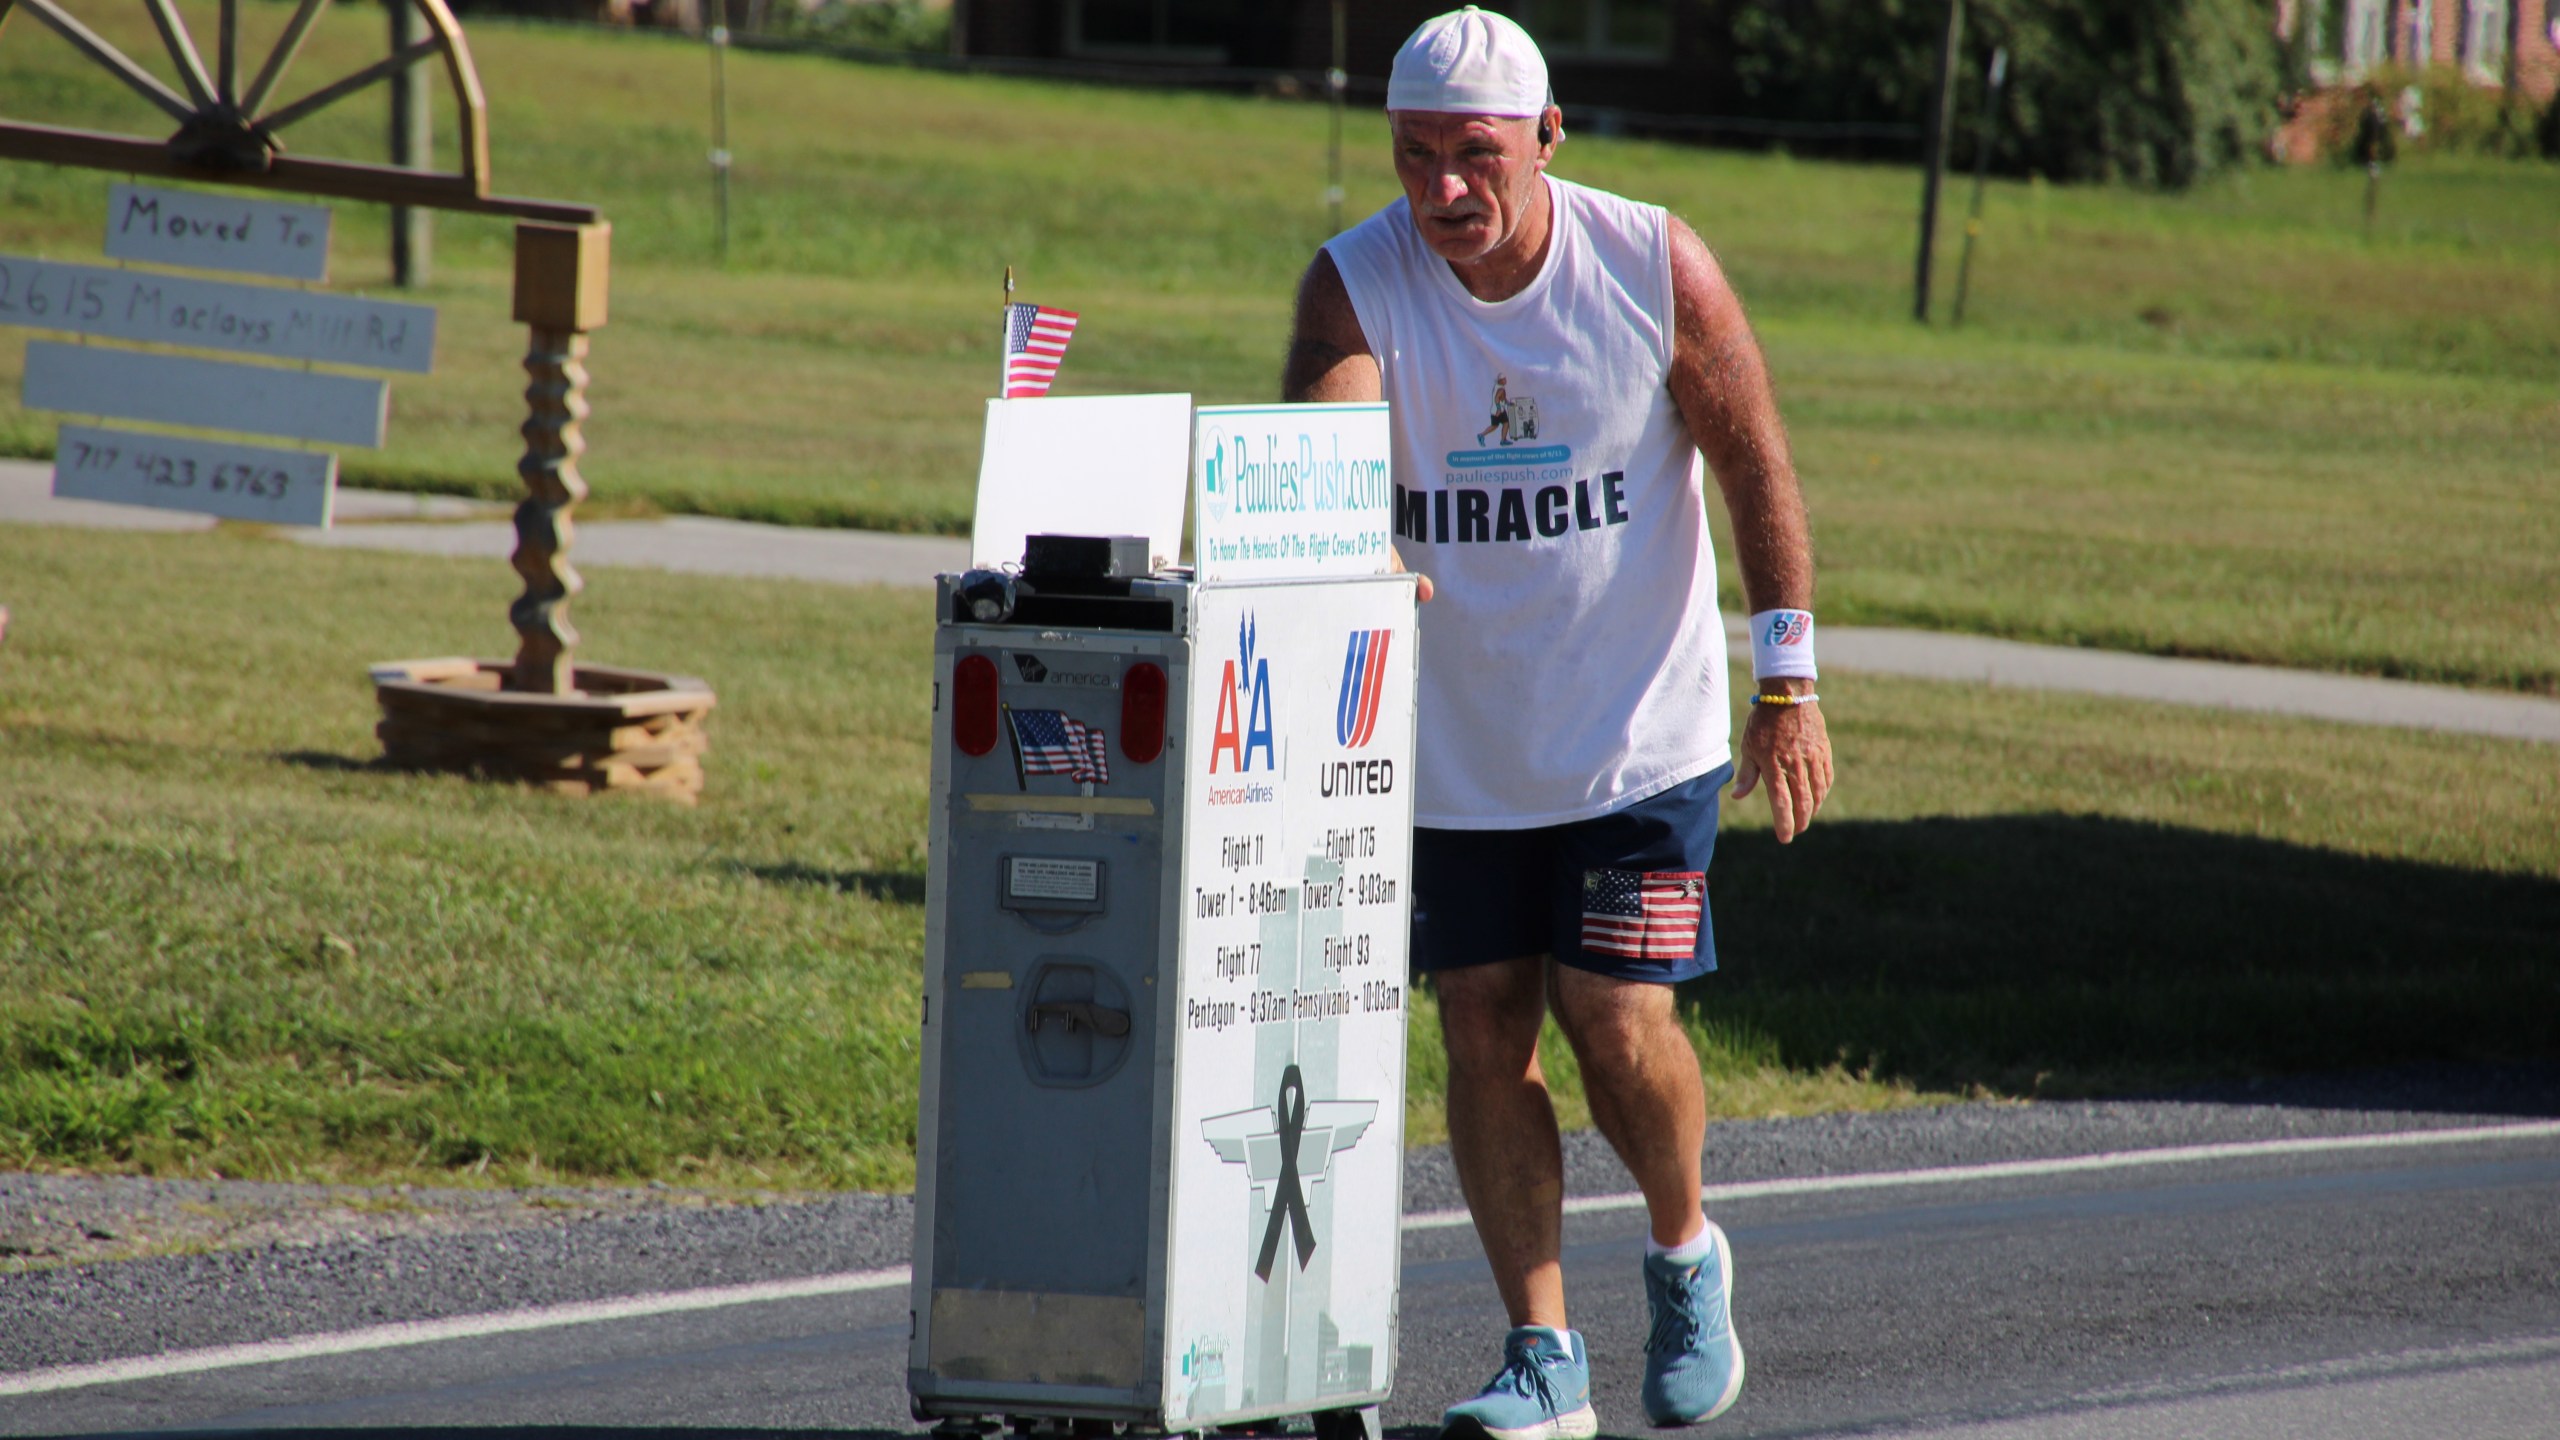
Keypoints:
pixel 1573 661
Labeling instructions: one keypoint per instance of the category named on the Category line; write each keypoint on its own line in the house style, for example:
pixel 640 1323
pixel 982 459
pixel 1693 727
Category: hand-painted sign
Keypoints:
pixel 269 320
pixel 218 232
pixel 209 477
pixel 182 390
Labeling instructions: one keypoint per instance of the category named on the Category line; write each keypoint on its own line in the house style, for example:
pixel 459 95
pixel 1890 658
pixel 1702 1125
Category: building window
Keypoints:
pixel 1193 31
pixel 2348 38
pixel 1599 29
pixel 2345 38
pixel 2484 40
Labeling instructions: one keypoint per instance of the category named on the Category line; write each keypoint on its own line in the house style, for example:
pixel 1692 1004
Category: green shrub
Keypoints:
pixel 2158 92
pixel 908 25
pixel 2457 117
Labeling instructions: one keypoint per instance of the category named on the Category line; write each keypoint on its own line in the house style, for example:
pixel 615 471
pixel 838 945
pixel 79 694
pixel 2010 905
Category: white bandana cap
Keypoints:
pixel 1470 62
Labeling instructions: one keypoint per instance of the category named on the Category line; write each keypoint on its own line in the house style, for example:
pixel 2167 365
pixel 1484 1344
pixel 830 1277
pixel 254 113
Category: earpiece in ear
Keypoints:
pixel 1546 132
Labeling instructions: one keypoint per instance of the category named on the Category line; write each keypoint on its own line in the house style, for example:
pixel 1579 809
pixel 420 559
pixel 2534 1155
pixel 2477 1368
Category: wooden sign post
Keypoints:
pixel 560 289
pixel 540 717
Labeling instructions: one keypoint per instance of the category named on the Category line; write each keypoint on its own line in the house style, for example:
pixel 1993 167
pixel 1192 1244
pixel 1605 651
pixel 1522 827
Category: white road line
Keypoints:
pixel 632 1307
pixel 426 1332
pixel 2013 1169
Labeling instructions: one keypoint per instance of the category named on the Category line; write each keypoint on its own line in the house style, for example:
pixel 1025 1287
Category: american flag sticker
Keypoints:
pixel 1643 914
pixel 1050 742
pixel 1035 340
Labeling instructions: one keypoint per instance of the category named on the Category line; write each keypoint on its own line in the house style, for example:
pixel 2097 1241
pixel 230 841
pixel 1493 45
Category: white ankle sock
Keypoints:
pixel 1689 1252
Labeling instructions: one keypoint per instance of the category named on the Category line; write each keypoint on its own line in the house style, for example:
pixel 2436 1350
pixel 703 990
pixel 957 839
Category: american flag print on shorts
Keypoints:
pixel 1643 914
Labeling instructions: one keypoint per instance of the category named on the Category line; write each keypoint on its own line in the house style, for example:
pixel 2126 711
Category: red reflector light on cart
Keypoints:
pixel 1142 695
pixel 973 705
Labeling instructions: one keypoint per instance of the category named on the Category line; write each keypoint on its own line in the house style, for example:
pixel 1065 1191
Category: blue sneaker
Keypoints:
pixel 1542 1393
pixel 1692 1363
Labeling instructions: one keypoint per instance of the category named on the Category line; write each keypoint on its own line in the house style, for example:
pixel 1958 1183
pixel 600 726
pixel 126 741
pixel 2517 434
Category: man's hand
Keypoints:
pixel 1421 582
pixel 1789 745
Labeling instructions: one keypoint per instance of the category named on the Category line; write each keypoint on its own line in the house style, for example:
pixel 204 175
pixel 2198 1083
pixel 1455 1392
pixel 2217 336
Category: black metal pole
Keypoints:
pixel 720 131
pixel 412 226
pixel 1935 160
pixel 1982 136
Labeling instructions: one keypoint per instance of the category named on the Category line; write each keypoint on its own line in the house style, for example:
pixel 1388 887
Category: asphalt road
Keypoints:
pixel 2409 1287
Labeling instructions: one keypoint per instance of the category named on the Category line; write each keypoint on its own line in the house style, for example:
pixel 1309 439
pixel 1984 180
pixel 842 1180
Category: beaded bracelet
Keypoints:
pixel 1766 698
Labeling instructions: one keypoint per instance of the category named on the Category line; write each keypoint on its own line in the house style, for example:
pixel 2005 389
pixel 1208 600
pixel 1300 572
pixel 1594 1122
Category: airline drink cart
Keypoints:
pixel 1160 1138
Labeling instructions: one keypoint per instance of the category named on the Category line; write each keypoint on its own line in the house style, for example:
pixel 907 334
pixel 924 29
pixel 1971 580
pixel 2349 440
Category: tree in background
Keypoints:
pixel 2159 92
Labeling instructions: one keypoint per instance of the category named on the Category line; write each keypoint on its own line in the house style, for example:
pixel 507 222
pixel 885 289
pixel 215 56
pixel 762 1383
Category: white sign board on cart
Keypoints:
pixel 1291 490
pixel 1081 465
pixel 1288 1151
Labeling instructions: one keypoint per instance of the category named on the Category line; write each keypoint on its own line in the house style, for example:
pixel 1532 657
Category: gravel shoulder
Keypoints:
pixel 95 1268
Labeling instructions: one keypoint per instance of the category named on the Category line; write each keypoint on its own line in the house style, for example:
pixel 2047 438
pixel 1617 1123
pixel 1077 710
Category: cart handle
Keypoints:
pixel 1081 1012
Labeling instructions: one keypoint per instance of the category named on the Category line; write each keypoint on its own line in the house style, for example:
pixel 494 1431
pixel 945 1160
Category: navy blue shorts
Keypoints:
pixel 1624 894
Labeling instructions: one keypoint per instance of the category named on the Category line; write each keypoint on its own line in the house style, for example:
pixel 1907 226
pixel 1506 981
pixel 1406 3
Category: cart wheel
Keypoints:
pixel 1360 1424
pixel 226 124
pixel 962 1427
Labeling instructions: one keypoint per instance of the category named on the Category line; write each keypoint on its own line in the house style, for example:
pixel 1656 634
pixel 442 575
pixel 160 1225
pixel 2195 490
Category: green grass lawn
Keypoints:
pixel 2229 423
pixel 2226 423
pixel 228 944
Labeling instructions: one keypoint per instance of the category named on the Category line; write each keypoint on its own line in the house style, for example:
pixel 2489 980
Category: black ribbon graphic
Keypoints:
pixel 1289 1197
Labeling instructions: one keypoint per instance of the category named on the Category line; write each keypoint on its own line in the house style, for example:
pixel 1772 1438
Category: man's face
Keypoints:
pixel 1470 178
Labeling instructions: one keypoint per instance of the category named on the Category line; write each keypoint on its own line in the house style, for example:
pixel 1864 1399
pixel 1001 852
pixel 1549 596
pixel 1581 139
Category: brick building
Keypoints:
pixel 2494 42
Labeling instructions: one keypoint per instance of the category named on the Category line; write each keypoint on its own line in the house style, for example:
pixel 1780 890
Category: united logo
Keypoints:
pixel 1364 674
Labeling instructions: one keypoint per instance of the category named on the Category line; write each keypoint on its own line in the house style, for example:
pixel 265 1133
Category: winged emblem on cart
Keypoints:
pixel 1284 1147
pixel 1251 1138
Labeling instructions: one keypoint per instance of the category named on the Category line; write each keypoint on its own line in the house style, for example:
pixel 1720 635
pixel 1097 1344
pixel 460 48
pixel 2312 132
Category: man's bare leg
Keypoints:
pixel 1502 1130
pixel 1646 1094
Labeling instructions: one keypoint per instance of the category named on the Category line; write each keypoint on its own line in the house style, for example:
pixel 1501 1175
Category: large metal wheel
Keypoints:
pixel 234 132
pixel 224 125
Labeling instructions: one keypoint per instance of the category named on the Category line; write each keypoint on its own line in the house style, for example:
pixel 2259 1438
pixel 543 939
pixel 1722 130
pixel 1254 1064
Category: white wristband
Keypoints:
pixel 1782 645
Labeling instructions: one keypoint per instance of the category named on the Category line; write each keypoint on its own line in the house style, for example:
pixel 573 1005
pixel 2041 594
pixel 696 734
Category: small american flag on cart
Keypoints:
pixel 1049 742
pixel 1641 914
pixel 1035 340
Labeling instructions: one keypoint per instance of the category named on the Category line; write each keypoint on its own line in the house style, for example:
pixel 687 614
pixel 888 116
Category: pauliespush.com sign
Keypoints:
pixel 1291 490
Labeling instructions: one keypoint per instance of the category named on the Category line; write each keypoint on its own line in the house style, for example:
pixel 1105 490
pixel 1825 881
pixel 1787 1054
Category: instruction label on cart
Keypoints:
pixel 1289 1092
pixel 1291 491
pixel 1034 879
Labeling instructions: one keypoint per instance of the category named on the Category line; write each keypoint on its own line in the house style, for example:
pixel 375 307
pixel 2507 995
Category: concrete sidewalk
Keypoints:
pixel 694 544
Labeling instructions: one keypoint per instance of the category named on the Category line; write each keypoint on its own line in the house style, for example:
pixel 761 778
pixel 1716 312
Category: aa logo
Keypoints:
pixel 1364 678
pixel 1244 708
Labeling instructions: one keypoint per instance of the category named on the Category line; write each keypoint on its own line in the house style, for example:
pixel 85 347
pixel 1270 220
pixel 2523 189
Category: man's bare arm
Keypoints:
pixel 1721 384
pixel 1329 357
